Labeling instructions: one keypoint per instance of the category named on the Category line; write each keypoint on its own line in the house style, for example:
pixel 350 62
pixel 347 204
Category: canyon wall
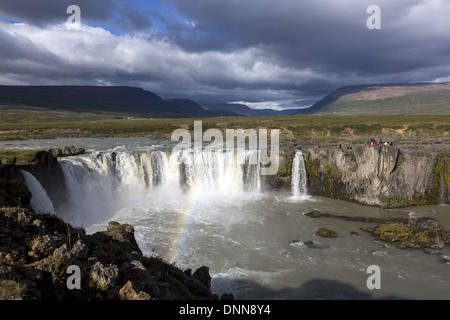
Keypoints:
pixel 382 176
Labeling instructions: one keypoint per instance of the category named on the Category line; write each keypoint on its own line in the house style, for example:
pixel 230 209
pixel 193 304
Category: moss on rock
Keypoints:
pixel 408 236
pixel 325 233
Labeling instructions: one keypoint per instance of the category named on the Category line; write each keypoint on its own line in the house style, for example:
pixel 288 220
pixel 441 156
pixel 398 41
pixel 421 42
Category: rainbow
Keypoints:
pixel 181 226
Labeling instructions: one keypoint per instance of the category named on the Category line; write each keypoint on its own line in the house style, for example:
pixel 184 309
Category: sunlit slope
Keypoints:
pixel 420 98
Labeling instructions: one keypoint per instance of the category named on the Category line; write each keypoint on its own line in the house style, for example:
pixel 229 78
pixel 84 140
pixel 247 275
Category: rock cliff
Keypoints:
pixel 382 176
pixel 44 166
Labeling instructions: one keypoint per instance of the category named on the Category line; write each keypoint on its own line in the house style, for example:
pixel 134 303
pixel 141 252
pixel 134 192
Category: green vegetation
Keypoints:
pixel 11 290
pixel 27 114
pixel 442 178
pixel 424 98
pixel 18 157
pixel 320 129
pixel 407 236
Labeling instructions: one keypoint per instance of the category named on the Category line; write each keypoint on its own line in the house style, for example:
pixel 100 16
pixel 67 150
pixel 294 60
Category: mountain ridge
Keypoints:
pixel 394 98
pixel 120 100
pixel 127 101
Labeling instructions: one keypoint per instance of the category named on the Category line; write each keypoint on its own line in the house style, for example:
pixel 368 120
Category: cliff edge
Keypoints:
pixel 381 176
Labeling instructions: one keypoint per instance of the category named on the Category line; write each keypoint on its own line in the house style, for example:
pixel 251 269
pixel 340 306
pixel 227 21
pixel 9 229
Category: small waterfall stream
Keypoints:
pixel 298 182
pixel 40 202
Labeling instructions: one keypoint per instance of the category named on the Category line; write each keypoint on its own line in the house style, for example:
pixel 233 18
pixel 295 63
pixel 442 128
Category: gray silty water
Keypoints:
pixel 257 244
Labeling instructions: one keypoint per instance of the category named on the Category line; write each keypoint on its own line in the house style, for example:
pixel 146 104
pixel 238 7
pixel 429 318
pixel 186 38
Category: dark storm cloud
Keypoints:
pixel 117 13
pixel 329 37
pixel 227 50
pixel 45 12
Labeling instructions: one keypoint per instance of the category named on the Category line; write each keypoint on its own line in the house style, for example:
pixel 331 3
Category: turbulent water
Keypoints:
pixel 207 209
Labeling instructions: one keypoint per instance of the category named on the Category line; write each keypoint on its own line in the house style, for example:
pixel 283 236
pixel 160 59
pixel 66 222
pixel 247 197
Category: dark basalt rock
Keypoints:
pixel 66 151
pixel 37 249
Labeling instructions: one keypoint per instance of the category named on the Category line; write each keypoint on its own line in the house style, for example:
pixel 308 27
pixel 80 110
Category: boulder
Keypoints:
pixel 42 246
pixel 117 243
pixel 103 276
pixel 325 233
pixel 136 273
pixel 129 292
pixel 202 274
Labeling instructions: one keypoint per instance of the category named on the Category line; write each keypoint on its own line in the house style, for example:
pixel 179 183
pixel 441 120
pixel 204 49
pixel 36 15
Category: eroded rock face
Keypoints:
pixel 281 179
pixel 383 176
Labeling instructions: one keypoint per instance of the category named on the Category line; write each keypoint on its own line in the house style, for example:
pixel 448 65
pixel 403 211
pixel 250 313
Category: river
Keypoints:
pixel 257 244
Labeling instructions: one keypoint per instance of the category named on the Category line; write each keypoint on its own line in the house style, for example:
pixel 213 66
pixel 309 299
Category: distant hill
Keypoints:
pixel 195 110
pixel 119 101
pixel 417 98
pixel 243 110
pixel 70 102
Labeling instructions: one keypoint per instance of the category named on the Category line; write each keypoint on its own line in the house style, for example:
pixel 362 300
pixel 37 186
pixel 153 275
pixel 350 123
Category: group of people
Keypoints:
pixel 370 143
pixel 373 142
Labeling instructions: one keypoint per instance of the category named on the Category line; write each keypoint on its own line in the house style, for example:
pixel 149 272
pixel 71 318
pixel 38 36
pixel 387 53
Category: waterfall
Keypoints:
pixel 106 182
pixel 298 179
pixel 40 202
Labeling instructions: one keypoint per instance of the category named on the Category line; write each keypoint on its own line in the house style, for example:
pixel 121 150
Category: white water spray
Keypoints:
pixel 298 179
pixel 40 202
pixel 103 183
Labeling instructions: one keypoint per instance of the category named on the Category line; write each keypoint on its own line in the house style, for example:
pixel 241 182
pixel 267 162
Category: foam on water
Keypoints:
pixel 197 210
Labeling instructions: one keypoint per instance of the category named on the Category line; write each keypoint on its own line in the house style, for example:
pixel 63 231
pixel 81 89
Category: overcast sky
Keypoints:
pixel 284 53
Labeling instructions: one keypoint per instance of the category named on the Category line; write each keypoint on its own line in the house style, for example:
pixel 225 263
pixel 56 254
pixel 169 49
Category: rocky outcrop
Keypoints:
pixel 382 176
pixel 417 233
pixel 13 193
pixel 325 233
pixel 37 252
pixel 66 151
pixel 42 164
pixel 412 233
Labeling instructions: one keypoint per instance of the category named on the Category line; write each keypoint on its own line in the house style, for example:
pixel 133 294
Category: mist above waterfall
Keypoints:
pixel 103 183
pixel 117 175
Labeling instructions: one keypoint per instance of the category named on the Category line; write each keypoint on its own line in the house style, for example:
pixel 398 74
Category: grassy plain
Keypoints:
pixel 306 128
